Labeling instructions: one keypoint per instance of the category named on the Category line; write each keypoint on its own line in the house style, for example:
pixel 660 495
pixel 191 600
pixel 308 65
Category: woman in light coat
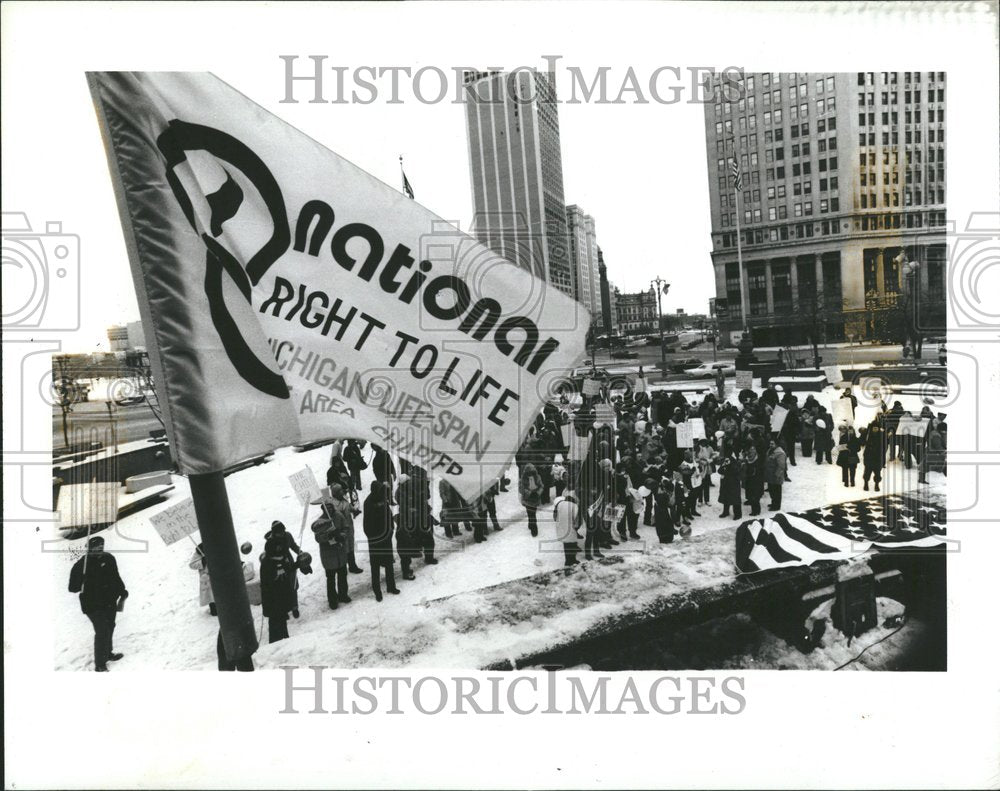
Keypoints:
pixel 205 595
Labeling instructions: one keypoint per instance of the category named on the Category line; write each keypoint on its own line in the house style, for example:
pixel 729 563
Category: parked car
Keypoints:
pixel 575 383
pixel 623 354
pixel 680 366
pixel 707 370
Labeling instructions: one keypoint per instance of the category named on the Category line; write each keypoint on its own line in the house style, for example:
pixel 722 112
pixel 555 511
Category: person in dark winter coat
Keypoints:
pixel 384 469
pixel 729 487
pixel 288 545
pixel 277 588
pixel 490 503
pixel 377 521
pixel 847 454
pixel 874 454
pixel 454 510
pixel 530 489
pixel 413 495
pixel 807 430
pixel 102 593
pixel 337 472
pixel 774 473
pixel 664 511
pixel 355 462
pixel 824 436
pixel 753 479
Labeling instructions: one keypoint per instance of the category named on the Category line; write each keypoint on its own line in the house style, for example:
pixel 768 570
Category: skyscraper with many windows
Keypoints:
pixel 843 191
pixel 516 169
pixel 583 257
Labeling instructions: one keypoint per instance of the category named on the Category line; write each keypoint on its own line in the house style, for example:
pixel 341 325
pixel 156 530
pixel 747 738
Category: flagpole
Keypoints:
pixel 225 569
pixel 739 243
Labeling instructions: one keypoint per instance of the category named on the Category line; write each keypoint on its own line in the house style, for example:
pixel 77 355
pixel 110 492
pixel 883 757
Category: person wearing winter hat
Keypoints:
pixel 200 564
pixel 334 534
pixel 102 594
pixel 282 535
pixel 277 592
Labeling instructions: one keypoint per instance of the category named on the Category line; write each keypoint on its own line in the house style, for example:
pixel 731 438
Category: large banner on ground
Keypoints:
pixel 288 296
pixel 839 531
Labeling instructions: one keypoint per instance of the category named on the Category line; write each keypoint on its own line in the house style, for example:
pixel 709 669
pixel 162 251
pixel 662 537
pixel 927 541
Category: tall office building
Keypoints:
pixel 584 262
pixel 516 169
pixel 843 189
pixel 609 302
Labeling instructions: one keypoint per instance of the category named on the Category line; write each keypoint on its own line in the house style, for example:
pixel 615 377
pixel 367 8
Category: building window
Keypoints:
pixel 781 288
pixel 757 289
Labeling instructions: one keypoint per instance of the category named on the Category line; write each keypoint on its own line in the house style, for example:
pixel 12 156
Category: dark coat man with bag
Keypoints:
pixel 102 594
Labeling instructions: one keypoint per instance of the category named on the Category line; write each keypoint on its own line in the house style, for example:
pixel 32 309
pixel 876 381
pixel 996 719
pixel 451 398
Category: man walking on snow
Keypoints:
pixel 102 593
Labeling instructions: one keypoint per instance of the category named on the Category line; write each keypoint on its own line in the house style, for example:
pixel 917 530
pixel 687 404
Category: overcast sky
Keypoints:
pixel 639 169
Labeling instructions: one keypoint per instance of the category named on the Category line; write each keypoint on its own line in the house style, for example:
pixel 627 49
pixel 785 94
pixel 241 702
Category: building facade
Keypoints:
pixel 609 306
pixel 118 338
pixel 583 257
pixel 515 163
pixel 127 338
pixel 637 312
pixel 841 213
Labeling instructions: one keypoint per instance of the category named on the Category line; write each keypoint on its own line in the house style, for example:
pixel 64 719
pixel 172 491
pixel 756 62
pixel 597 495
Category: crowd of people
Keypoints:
pixel 604 473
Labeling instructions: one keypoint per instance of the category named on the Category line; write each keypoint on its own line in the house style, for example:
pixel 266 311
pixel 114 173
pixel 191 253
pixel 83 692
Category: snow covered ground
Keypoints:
pixel 450 616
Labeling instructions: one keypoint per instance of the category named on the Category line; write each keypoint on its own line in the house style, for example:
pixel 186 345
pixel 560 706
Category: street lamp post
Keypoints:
pixel 911 282
pixel 661 286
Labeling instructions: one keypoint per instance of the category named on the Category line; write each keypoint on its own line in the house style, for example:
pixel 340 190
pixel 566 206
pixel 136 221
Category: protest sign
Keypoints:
pixel 697 428
pixel 685 436
pixel 842 412
pixel 744 380
pixel 778 417
pixel 305 485
pixel 591 387
pixel 833 374
pixel 175 522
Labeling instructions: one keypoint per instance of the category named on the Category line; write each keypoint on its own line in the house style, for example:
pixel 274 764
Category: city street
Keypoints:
pixel 840 354
pixel 91 421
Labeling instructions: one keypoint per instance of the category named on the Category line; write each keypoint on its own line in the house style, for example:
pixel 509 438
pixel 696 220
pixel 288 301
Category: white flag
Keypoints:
pixel 289 296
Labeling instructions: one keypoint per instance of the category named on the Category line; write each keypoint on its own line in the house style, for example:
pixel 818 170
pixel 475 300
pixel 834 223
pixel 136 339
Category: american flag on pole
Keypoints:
pixel 838 532
pixel 737 173
pixel 407 189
